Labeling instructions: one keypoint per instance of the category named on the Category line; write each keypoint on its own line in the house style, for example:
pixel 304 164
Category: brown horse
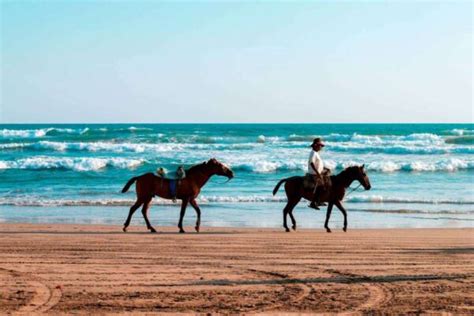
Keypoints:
pixel 148 185
pixel 295 191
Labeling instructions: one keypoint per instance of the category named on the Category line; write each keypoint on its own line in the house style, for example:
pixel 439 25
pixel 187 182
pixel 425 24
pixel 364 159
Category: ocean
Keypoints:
pixel 421 174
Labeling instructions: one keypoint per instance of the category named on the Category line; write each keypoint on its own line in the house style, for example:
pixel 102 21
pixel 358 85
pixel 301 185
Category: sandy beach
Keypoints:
pixel 98 269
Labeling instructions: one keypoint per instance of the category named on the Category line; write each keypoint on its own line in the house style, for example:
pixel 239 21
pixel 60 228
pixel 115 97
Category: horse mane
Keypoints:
pixel 344 173
pixel 196 167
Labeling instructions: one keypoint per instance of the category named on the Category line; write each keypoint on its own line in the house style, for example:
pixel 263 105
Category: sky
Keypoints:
pixel 164 62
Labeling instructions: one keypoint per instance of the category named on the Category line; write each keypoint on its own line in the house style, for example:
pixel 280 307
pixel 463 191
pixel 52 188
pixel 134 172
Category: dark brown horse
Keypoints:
pixel 149 185
pixel 295 191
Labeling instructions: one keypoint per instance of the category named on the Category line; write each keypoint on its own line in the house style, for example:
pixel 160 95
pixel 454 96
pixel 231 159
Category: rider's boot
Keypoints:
pixel 314 205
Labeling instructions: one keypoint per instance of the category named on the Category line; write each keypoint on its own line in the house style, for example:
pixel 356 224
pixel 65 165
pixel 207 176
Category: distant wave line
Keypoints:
pixel 39 202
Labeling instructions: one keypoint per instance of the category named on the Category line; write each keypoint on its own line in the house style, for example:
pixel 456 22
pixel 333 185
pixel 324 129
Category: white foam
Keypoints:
pixel 451 164
pixel 14 145
pixel 385 166
pixel 381 199
pixel 76 164
pixel 461 132
pixel 24 133
pixel 107 146
pixel 37 201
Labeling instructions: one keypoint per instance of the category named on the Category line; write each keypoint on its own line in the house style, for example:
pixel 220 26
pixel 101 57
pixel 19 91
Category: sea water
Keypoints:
pixel 421 174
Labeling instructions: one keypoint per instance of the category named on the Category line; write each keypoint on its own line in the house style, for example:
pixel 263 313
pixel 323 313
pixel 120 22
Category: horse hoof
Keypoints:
pixel 294 228
pixel 124 229
pixel 328 230
pixel 181 231
pixel 153 231
pixel 287 230
pixel 197 228
pixel 345 229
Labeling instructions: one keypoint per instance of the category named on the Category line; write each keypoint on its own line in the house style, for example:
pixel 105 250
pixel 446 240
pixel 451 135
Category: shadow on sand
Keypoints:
pixel 338 279
pixel 46 232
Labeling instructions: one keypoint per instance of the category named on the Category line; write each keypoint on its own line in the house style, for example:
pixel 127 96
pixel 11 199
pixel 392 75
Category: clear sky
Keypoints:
pixel 116 61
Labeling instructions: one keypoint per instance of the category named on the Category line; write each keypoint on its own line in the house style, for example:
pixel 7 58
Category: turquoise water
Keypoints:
pixel 421 174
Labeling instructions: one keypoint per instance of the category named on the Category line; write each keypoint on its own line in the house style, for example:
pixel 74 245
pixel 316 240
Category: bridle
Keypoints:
pixel 353 189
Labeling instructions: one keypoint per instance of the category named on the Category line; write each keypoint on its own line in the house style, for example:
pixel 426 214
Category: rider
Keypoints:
pixel 315 170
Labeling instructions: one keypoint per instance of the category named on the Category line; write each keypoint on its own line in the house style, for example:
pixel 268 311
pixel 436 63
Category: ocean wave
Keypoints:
pixel 394 200
pixel 262 166
pixel 466 140
pixel 114 147
pixel 369 139
pixel 38 201
pixel 416 144
pixel 76 164
pixel 419 143
pixel 14 145
pixel 249 165
pixel 55 131
pixel 448 165
pixel 399 149
pixel 39 133
pixel 105 146
pixel 461 131
pixel 26 133
pixel 386 166
pixel 139 147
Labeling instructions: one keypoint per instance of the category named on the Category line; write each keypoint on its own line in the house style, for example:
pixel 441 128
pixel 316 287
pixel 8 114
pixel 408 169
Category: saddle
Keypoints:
pixel 174 179
pixel 310 182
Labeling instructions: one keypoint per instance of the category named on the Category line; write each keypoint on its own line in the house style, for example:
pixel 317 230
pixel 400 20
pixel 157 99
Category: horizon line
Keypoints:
pixel 231 123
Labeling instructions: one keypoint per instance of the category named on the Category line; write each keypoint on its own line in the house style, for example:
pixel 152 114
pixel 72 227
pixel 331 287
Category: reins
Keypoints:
pixel 353 189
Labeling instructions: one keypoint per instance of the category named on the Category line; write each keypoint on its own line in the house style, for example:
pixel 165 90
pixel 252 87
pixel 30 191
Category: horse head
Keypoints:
pixel 219 168
pixel 361 176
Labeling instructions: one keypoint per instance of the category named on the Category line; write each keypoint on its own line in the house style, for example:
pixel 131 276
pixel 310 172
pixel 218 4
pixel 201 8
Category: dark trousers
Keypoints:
pixel 318 186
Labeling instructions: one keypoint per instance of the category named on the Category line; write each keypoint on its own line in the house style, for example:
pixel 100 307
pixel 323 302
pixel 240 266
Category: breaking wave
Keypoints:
pixel 56 131
pixel 453 164
pixel 413 144
pixel 249 166
pixel 76 164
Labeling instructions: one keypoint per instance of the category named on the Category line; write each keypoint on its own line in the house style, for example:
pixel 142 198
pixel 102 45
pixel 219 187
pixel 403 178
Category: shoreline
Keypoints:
pixel 252 215
pixel 139 228
pixel 63 268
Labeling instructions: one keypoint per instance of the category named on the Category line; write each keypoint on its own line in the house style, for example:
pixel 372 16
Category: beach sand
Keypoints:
pixel 98 269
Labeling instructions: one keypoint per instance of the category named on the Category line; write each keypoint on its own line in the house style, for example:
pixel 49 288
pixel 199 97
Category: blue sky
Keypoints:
pixel 236 62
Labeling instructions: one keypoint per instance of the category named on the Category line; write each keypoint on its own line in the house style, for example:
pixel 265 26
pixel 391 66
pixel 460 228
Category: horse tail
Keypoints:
pixel 129 183
pixel 277 187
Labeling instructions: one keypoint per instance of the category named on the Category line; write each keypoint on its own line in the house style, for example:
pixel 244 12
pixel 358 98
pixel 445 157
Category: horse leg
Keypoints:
pixel 293 221
pixel 285 213
pixel 145 207
pixel 181 215
pixel 343 211
pixel 290 205
pixel 130 214
pixel 198 213
pixel 290 211
pixel 328 214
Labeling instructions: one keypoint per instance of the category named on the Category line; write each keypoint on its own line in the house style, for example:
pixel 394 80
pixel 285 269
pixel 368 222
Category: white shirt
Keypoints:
pixel 317 161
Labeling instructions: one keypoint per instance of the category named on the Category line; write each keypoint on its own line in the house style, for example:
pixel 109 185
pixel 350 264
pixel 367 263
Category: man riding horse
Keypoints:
pixel 317 173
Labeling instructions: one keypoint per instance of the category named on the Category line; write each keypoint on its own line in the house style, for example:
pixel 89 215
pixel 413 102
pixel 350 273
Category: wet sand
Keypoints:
pixel 92 269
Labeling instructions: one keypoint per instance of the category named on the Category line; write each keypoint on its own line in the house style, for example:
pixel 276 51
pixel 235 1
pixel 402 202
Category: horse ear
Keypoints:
pixel 362 166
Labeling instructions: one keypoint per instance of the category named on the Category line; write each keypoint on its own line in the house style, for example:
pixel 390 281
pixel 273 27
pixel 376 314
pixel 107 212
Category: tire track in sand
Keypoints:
pixel 305 290
pixel 44 297
pixel 378 294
